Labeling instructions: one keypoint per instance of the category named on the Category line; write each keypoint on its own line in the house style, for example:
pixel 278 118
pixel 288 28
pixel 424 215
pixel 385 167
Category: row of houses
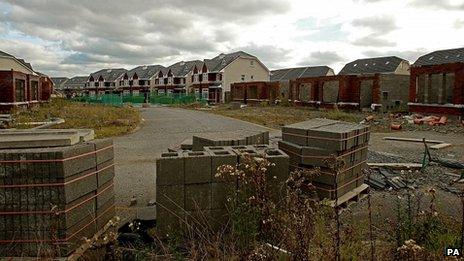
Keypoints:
pixel 432 84
pixel 20 84
pixel 210 78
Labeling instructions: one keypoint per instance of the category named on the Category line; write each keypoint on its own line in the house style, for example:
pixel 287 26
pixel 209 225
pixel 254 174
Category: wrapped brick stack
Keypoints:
pixel 187 189
pixel 50 198
pixel 311 143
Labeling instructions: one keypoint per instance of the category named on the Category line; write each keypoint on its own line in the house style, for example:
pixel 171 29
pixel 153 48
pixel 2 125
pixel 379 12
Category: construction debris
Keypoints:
pixel 441 146
pixel 412 140
pixel 400 166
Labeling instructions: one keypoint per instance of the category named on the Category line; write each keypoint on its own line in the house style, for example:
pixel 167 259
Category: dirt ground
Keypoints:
pixel 278 116
pixel 380 150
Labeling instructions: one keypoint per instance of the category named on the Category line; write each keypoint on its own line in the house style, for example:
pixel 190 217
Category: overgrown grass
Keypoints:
pixel 107 121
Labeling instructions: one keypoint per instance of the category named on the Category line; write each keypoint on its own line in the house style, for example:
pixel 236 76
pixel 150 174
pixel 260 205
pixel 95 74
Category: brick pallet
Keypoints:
pixel 187 188
pixel 50 198
pixel 240 138
pixel 315 142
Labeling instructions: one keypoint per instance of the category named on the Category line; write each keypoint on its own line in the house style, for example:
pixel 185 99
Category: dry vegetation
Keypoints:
pixel 107 121
pixel 299 228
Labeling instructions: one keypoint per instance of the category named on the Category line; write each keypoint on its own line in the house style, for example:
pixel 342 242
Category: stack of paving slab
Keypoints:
pixel 53 194
pixel 236 138
pixel 313 143
pixel 188 190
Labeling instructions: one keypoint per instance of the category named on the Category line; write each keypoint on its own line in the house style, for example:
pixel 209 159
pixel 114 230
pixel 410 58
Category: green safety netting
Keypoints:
pixel 118 99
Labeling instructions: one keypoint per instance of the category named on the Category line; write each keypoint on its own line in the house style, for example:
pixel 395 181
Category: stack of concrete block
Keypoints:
pixel 312 143
pixel 188 190
pixel 239 138
pixel 52 197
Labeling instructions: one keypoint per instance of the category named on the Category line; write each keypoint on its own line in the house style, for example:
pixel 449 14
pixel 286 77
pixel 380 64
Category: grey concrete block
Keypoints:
pixel 105 172
pixel 104 150
pixel 220 192
pixel 170 169
pixel 278 172
pixel 10 140
pixel 198 197
pixel 170 198
pixel 219 158
pixel 197 167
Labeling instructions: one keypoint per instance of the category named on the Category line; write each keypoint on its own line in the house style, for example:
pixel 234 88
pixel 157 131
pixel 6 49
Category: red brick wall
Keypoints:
pixel 6 86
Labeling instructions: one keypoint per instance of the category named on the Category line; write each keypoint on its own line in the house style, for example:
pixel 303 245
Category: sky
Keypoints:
pixel 77 37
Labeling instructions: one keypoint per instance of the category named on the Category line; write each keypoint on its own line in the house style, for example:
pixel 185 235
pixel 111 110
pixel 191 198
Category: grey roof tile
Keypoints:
pixel 441 57
pixel 145 71
pixel 387 64
pixel 300 72
pixel 109 75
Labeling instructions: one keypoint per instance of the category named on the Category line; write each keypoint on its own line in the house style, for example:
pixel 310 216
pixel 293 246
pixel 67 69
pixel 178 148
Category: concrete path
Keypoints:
pixel 163 128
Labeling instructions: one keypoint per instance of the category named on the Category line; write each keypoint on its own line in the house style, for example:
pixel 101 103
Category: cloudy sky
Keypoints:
pixel 70 37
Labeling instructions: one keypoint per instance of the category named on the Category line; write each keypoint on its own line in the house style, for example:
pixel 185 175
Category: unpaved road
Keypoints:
pixel 163 128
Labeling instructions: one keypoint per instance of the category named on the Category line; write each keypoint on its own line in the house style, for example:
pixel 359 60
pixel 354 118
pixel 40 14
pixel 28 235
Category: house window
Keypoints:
pixel 20 90
pixel 97 84
pixel 243 78
pixel 252 62
pixel 34 90
pixel 252 77
pixel 385 95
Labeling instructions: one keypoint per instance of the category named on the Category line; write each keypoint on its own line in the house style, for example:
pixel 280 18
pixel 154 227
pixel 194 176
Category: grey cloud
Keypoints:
pixel 437 4
pixel 321 58
pixel 410 55
pixel 458 24
pixel 374 40
pixel 270 55
pixel 134 32
pixel 377 24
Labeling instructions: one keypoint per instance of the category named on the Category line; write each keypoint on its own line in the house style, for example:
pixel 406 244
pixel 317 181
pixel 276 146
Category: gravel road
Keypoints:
pixel 162 128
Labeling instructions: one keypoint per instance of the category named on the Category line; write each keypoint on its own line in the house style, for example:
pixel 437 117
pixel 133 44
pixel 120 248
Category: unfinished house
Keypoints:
pixel 255 92
pixel 284 76
pixel 74 86
pixel 437 83
pixel 20 85
pixel 104 81
pixel 59 82
pixel 213 78
pixel 175 78
pixel 140 80
pixel 388 87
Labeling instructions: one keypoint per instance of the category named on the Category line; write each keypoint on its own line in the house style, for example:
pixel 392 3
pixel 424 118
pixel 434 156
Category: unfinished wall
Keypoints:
pixel 305 92
pixel 330 91
pixel 366 93
pixel 394 90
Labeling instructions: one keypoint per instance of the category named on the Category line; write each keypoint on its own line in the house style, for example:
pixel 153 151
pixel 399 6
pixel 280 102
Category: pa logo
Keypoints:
pixel 449 251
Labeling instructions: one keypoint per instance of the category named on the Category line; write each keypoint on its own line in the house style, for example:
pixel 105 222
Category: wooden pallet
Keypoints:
pixel 351 197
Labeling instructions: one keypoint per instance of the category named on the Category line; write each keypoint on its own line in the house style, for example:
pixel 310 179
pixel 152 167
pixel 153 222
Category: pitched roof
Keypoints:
pixel 59 80
pixel 387 64
pixel 221 61
pixel 145 71
pixel 441 57
pixel 183 68
pixel 77 80
pixel 5 54
pixel 300 72
pixel 109 75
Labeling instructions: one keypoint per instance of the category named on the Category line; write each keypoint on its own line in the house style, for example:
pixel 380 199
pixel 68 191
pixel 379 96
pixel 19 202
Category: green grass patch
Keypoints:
pixel 107 121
